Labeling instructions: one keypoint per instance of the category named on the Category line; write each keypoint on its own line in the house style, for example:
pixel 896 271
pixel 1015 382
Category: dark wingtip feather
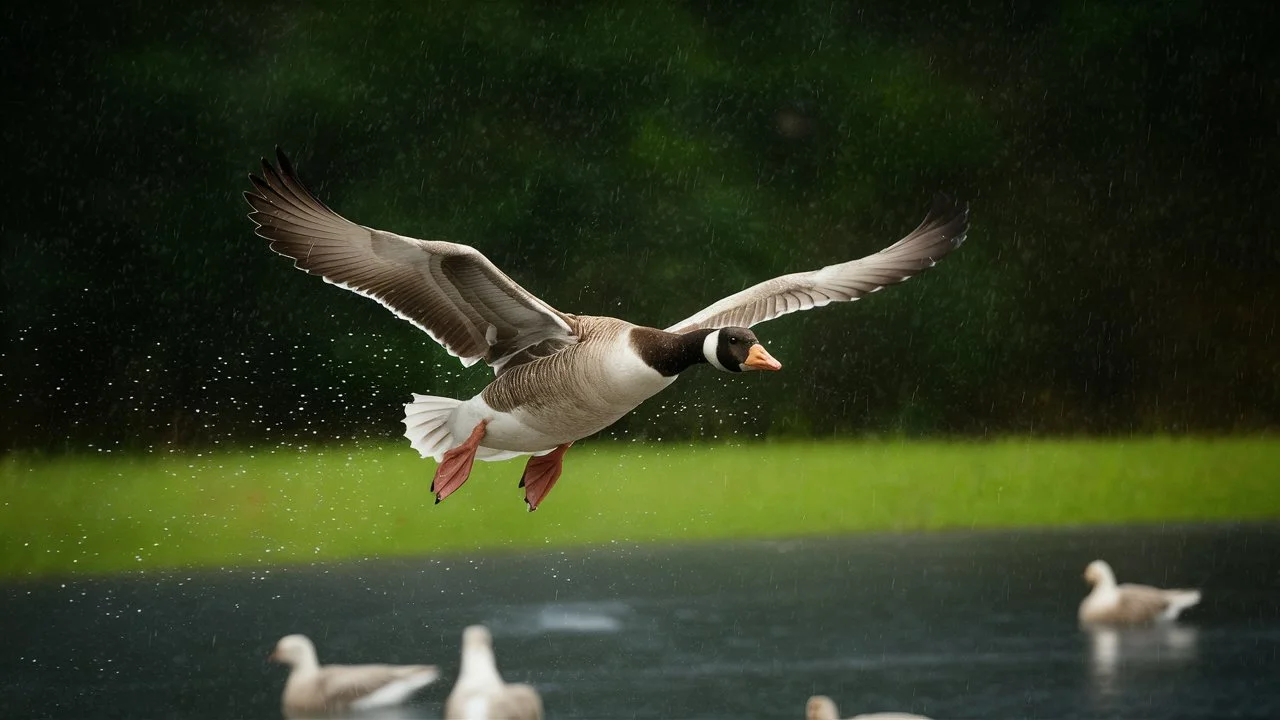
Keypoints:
pixel 287 203
pixel 249 197
pixel 265 191
pixel 950 216
pixel 945 206
pixel 286 167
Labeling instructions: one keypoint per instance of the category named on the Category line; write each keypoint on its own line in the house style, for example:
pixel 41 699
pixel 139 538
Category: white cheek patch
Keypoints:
pixel 710 344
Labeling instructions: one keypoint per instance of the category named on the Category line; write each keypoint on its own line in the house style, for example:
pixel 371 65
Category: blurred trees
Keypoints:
pixel 642 160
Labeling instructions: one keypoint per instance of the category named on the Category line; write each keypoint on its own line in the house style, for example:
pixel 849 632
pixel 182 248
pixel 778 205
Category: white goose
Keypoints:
pixel 559 377
pixel 313 689
pixel 480 693
pixel 1128 604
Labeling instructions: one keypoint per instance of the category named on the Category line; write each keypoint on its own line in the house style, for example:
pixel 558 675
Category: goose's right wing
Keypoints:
pixel 450 291
pixel 942 231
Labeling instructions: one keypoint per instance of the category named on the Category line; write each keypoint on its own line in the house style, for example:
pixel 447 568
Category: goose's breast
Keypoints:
pixel 1098 603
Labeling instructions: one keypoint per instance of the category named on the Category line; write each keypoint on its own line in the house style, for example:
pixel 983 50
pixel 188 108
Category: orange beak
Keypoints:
pixel 759 359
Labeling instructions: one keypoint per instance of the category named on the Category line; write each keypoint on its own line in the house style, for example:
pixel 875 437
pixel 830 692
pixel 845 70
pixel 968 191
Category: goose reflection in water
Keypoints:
pixel 1115 652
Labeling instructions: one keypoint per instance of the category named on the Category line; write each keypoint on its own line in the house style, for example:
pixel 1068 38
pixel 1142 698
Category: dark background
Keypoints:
pixel 643 160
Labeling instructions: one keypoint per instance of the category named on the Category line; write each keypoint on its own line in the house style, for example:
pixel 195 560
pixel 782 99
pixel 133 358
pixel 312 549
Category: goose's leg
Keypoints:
pixel 541 474
pixel 455 466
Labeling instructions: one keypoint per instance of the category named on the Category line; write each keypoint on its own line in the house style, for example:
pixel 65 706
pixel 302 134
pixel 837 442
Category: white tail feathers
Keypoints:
pixel 1180 600
pixel 426 425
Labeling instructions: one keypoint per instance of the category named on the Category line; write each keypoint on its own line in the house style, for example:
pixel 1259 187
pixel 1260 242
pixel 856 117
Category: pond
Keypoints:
pixel 973 624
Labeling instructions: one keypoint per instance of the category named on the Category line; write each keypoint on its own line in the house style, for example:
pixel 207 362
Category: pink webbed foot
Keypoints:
pixel 455 466
pixel 541 474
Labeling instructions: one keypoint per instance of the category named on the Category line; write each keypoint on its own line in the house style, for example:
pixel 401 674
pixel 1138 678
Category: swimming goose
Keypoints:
pixel 315 690
pixel 821 707
pixel 480 693
pixel 559 377
pixel 1127 604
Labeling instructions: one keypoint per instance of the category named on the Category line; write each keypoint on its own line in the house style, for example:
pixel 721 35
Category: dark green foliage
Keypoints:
pixel 642 160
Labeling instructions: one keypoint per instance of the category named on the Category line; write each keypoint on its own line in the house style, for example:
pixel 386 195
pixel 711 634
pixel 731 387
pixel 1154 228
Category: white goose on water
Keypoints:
pixel 480 693
pixel 559 377
pixel 1128 604
pixel 314 689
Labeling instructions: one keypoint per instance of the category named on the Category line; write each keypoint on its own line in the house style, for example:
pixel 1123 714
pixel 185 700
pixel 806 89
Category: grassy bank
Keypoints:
pixel 101 514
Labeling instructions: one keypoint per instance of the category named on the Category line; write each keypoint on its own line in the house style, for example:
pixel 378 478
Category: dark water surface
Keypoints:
pixel 956 625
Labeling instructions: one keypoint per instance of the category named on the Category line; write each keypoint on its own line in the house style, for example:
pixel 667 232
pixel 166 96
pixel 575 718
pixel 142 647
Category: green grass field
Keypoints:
pixel 285 506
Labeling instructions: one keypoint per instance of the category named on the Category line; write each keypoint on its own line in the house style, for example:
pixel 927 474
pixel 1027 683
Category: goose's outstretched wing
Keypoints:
pixel 450 291
pixel 942 231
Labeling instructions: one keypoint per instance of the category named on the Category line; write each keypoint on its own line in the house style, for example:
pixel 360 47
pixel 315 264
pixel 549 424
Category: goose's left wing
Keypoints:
pixel 450 291
pixel 942 231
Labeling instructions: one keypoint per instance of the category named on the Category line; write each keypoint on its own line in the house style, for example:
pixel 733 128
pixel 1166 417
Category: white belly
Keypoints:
pixel 1098 603
pixel 505 431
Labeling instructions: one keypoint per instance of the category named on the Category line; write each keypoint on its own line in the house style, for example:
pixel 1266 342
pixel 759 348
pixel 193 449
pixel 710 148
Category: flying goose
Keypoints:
pixel 480 693
pixel 315 690
pixel 558 377
pixel 1127 604
pixel 821 707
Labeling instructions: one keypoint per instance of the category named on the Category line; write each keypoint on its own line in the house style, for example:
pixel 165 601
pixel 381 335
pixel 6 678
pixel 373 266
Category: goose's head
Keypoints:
pixel 294 650
pixel 1099 572
pixel 478 661
pixel 821 707
pixel 737 349
pixel 476 637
